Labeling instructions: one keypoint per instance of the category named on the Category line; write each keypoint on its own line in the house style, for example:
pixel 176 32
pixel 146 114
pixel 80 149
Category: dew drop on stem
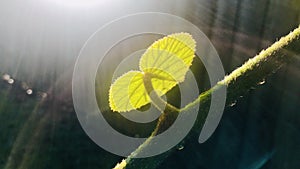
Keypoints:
pixel 262 82
pixel 233 103
pixel 180 147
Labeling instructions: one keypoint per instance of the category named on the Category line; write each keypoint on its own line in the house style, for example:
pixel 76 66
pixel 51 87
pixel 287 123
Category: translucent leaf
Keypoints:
pixel 166 61
pixel 181 45
pixel 164 65
pixel 128 92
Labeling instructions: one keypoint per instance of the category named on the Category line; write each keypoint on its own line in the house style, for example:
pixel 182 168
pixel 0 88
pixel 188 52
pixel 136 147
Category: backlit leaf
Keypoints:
pixel 166 61
pixel 181 45
pixel 128 92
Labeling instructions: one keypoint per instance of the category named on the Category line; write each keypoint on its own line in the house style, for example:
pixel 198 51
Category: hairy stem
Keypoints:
pixel 238 83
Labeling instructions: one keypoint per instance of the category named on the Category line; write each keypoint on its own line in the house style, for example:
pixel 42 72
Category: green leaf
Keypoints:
pixel 166 61
pixel 181 45
pixel 128 92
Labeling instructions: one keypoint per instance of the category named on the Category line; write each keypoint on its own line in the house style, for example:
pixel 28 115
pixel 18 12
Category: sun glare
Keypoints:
pixel 80 3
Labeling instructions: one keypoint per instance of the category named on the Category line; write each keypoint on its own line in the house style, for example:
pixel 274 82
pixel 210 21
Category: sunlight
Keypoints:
pixel 80 3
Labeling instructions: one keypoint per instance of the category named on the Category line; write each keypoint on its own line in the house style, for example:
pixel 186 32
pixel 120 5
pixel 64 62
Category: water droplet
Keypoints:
pixel 180 147
pixel 29 91
pixel 10 81
pixel 262 82
pixel 233 103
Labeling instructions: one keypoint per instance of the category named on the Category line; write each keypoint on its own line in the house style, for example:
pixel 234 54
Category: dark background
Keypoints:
pixel 39 43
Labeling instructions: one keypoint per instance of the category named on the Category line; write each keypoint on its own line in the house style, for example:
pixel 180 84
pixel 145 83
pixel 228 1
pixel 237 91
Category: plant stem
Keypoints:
pixel 238 83
pixel 159 103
